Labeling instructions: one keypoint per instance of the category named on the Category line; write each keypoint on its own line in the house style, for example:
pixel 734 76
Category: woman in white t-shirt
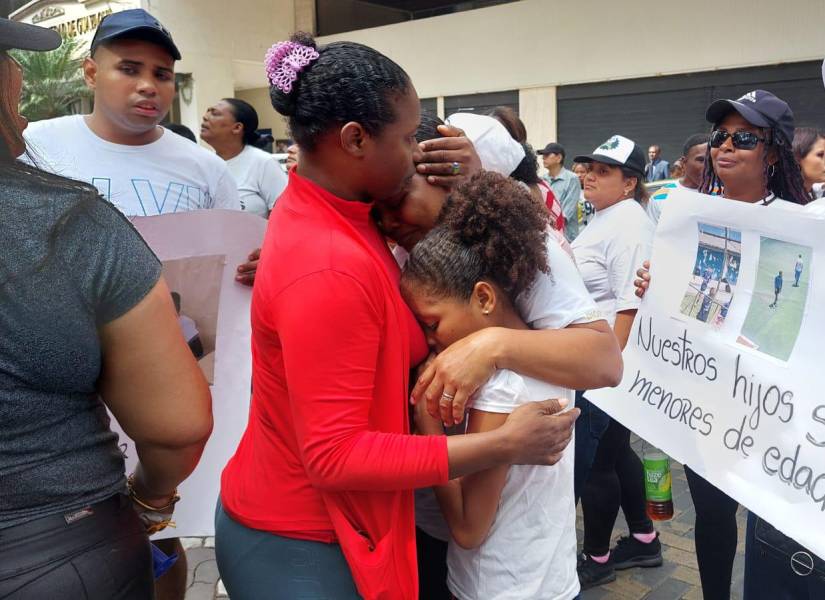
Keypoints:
pixel 749 159
pixel 230 127
pixel 618 237
pixel 512 529
pixel 569 343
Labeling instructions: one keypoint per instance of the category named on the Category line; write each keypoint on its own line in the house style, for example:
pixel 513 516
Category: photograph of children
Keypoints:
pixel 715 273
pixel 778 303
pixel 195 284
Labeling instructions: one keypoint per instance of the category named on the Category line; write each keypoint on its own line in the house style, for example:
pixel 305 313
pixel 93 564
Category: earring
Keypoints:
pixel 771 170
pixel 485 311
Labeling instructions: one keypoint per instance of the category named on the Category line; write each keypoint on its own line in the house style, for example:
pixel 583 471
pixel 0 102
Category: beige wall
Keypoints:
pixel 223 44
pixel 267 117
pixel 507 47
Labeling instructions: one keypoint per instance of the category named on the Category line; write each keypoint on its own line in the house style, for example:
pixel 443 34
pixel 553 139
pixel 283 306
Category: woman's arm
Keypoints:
pixel 153 386
pixel 623 325
pixel 331 333
pixel 584 356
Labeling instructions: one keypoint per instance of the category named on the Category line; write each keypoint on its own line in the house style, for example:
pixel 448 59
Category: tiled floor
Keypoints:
pixel 677 579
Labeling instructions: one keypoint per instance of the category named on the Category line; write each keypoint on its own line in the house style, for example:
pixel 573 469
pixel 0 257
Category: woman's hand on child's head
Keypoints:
pixel 447 383
pixel 539 432
pixel 447 160
pixel 643 281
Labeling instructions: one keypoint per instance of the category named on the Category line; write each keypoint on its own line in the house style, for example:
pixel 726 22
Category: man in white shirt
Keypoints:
pixel 137 165
pixel 565 185
pixel 120 147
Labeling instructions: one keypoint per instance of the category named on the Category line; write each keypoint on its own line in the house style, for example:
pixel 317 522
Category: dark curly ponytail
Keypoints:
pixel 490 229
pixel 347 82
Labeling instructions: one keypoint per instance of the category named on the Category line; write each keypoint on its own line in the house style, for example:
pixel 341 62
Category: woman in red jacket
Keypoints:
pixel 317 500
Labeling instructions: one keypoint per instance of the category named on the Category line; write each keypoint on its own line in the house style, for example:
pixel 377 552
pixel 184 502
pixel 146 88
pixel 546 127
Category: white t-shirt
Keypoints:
pixel 556 300
pixel 259 177
pixel 168 175
pixel 530 551
pixel 656 202
pixel 608 253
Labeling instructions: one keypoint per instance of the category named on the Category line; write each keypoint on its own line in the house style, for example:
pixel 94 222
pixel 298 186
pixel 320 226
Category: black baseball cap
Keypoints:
pixel 618 151
pixel 136 24
pixel 552 148
pixel 759 108
pixel 22 36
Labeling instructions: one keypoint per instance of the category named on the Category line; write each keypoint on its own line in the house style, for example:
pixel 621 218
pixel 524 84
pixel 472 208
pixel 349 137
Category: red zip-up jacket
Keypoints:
pixel 327 454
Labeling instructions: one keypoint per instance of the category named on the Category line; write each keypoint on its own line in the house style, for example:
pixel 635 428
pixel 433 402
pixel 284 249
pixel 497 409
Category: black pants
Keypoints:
pixel 432 567
pixel 616 479
pixel 716 535
pixel 99 553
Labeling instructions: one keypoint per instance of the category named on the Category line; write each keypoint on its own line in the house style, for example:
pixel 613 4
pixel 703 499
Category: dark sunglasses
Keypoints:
pixel 742 140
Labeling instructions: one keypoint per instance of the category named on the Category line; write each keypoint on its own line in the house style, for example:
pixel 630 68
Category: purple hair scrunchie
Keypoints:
pixel 284 62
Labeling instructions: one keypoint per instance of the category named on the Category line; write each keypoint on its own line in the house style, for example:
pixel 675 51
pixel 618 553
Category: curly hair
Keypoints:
pixel 783 178
pixel 347 82
pixel 490 229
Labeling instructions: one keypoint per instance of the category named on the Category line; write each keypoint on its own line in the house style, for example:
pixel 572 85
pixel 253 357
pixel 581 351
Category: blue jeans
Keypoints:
pixel 777 568
pixel 256 564
pixel 590 426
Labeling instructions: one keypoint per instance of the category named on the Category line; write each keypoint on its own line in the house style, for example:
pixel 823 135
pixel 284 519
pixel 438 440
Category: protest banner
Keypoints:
pixel 723 369
pixel 200 251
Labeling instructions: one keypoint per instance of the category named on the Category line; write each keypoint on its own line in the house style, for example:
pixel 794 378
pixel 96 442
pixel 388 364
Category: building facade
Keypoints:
pixel 576 73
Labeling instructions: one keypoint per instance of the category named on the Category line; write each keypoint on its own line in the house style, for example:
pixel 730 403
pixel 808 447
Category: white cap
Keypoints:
pixel 496 148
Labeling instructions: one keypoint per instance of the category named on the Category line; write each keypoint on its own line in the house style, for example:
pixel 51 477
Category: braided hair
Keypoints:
pixel 490 229
pixel 783 178
pixel 347 82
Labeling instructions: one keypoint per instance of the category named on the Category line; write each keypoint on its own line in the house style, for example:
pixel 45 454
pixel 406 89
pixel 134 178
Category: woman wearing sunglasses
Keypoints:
pixel 750 158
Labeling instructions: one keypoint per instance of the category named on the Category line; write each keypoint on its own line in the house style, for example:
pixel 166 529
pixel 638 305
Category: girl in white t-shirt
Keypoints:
pixel 513 529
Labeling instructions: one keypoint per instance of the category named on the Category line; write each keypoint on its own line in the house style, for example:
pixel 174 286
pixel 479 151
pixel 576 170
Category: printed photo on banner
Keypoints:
pixel 778 303
pixel 715 274
pixel 195 283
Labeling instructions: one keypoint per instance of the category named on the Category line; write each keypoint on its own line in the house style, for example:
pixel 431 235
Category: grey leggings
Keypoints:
pixel 257 565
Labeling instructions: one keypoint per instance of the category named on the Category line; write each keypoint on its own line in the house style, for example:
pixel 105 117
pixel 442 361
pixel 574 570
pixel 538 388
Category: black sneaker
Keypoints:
pixel 630 552
pixel 592 573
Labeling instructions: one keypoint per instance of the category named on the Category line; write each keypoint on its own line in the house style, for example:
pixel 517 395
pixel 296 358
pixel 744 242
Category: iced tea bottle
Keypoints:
pixel 657 484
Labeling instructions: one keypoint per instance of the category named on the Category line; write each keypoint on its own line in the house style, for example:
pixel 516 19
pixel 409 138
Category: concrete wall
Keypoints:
pixel 546 43
pixel 223 45
pixel 267 117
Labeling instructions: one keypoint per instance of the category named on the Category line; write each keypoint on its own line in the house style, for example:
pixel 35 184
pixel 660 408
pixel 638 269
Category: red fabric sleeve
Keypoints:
pixel 330 333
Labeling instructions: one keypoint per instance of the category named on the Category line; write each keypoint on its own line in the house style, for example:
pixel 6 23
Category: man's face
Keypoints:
pixel 653 153
pixel 133 82
pixel 551 160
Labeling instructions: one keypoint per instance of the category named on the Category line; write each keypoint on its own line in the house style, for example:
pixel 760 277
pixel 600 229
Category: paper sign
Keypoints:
pixel 723 368
pixel 200 251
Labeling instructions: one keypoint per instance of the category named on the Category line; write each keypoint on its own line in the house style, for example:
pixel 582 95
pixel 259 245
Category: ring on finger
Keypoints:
pixel 448 396
pixel 456 168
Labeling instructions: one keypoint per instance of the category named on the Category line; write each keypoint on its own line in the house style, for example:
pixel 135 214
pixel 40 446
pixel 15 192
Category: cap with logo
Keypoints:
pixel 759 108
pixel 137 24
pixel 22 36
pixel 618 151
pixel 552 148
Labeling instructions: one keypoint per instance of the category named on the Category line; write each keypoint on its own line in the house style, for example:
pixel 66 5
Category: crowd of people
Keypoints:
pixel 427 315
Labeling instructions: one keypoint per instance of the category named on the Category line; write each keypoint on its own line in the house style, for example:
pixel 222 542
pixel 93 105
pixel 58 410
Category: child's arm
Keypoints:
pixel 470 503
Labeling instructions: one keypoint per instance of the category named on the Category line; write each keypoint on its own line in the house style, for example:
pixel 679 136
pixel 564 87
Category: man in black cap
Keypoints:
pixel 565 185
pixel 120 147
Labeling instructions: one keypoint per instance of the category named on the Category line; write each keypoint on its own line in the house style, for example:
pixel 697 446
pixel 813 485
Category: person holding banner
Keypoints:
pixel 326 467
pixel 618 238
pixel 750 158
pixel 88 324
